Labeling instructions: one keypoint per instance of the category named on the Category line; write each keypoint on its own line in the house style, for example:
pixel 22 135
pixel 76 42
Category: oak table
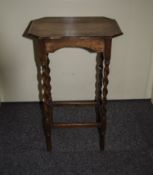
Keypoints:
pixel 91 33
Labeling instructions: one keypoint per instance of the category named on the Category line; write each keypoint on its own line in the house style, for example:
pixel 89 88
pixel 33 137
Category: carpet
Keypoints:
pixel 128 150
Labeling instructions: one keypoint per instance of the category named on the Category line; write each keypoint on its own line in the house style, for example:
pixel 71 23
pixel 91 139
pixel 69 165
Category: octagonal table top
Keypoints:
pixel 59 27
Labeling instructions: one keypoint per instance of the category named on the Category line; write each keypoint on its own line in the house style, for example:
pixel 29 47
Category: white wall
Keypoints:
pixel 73 70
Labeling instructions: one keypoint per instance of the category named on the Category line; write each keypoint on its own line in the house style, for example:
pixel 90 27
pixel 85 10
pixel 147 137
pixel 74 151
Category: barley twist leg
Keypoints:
pixel 99 78
pixel 47 100
pixel 106 71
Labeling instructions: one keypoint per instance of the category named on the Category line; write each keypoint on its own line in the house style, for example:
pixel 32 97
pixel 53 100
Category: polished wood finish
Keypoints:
pixel 91 44
pixel 46 88
pixel 77 125
pixel 107 56
pixel 75 103
pixel 91 33
pixel 98 106
pixel 61 27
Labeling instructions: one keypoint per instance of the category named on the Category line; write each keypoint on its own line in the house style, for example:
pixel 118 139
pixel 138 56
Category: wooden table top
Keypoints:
pixel 61 27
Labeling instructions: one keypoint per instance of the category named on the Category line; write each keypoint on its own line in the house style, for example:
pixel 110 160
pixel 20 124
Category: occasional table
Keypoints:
pixel 91 33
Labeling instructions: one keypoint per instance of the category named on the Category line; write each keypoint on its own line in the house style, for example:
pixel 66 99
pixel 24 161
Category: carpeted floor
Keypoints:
pixel 129 141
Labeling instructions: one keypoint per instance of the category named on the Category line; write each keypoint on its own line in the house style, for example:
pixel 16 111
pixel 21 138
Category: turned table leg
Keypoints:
pixel 47 99
pixel 99 78
pixel 107 54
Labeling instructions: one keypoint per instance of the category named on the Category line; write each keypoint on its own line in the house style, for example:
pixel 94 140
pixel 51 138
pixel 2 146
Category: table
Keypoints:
pixel 91 33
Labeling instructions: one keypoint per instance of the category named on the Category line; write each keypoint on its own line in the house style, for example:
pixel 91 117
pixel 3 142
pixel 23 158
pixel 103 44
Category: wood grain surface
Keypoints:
pixel 59 27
